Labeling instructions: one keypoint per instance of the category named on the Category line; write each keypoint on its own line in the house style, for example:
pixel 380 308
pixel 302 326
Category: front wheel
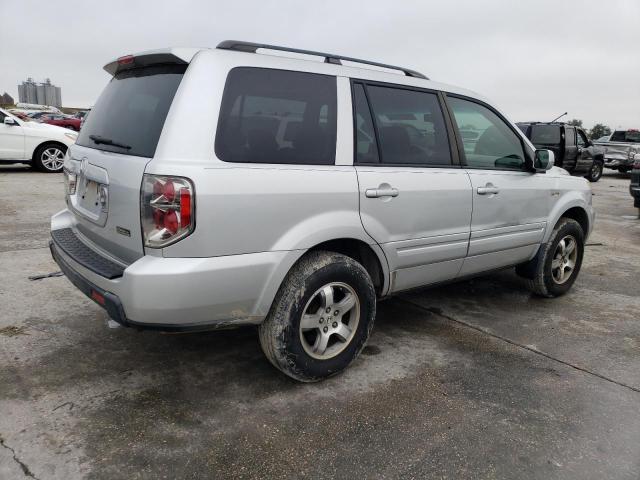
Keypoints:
pixel 554 270
pixel 49 158
pixel 595 173
pixel 321 317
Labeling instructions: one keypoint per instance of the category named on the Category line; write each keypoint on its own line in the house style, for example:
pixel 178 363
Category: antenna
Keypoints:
pixel 557 118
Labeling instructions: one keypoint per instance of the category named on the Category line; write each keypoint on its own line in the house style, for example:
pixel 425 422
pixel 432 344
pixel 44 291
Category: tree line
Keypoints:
pixel 598 130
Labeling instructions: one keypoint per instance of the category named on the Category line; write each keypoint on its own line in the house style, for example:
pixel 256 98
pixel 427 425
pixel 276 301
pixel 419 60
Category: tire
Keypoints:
pixel 295 346
pixel 624 169
pixel 49 157
pixel 595 172
pixel 542 275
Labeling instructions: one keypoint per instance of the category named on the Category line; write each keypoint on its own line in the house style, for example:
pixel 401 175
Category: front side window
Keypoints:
pixel 582 139
pixel 410 126
pixel 488 141
pixel 277 116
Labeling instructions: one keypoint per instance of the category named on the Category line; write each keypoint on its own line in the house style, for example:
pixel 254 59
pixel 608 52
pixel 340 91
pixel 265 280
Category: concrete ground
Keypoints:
pixel 472 380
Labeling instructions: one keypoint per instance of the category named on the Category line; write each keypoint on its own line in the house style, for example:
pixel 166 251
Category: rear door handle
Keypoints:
pixel 488 189
pixel 381 192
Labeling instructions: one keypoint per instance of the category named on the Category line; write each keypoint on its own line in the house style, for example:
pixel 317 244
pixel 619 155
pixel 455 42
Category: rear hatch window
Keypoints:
pixel 546 134
pixel 631 136
pixel 129 115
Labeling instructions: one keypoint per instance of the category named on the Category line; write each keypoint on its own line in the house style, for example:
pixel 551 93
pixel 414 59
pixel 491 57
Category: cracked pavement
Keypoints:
pixel 476 379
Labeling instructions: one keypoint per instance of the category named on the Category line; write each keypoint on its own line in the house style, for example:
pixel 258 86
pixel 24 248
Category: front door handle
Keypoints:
pixel 488 189
pixel 381 191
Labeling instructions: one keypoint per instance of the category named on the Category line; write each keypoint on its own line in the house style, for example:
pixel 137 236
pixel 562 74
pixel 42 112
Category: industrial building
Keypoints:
pixel 44 93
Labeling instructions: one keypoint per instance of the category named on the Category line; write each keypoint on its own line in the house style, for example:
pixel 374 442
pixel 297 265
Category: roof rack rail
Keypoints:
pixel 250 47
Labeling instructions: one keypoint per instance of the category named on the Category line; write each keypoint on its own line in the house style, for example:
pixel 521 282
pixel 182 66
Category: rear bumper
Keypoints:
pixel 179 294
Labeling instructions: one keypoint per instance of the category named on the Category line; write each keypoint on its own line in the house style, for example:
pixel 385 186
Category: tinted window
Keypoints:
pixel 277 116
pixel 545 134
pixel 569 136
pixel 366 148
pixel 410 125
pixel 132 109
pixel 626 136
pixel 493 143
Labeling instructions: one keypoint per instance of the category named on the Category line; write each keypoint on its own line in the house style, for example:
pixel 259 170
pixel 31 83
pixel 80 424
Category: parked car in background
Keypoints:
pixel 65 121
pixel 85 117
pixel 300 225
pixel 27 141
pixel 572 148
pixel 634 188
pixel 37 115
pixel 80 114
pixel 21 115
pixel 620 149
pixel 604 139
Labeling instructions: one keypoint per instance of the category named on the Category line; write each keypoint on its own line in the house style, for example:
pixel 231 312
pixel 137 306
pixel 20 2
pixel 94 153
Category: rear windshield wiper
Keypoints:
pixel 97 139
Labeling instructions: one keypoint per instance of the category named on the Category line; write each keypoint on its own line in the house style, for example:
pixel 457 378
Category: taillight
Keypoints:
pixel 126 60
pixel 167 205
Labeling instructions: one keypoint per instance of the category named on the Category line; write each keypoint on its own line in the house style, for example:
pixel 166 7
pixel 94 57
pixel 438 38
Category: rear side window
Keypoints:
pixel 130 113
pixel 546 134
pixel 277 116
pixel 410 125
pixel 366 147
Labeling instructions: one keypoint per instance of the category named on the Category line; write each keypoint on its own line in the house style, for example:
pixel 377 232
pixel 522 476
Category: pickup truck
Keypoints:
pixel 620 149
pixel 573 150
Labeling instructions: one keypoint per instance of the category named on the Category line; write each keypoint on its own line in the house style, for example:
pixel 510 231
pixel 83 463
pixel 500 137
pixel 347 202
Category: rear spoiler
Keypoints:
pixel 174 56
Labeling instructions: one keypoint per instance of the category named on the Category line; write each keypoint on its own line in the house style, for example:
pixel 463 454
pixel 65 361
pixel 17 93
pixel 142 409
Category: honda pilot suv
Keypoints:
pixel 212 188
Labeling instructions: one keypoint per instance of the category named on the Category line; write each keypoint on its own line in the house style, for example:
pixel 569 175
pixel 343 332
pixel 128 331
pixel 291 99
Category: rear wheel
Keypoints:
pixel 49 158
pixel 321 317
pixel 595 173
pixel 554 270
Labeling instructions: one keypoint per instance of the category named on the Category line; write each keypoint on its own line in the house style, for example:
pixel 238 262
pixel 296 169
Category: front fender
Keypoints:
pixel 569 200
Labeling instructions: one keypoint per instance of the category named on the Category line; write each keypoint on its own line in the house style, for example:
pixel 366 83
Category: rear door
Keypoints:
pixel 115 144
pixel 510 205
pixel 415 200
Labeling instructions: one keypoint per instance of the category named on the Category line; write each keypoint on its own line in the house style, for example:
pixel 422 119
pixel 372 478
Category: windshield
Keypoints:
pixel 632 136
pixel 130 113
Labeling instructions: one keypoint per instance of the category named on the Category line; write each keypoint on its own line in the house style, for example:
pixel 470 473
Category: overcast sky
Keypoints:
pixel 535 59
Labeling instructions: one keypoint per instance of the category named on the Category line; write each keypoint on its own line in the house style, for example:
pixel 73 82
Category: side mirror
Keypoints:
pixel 10 121
pixel 543 160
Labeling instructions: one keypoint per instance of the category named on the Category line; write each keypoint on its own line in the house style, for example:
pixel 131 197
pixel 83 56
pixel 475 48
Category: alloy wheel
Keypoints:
pixel 329 320
pixel 52 158
pixel 564 259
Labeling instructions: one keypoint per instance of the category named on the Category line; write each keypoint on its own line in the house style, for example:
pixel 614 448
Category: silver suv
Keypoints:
pixel 211 188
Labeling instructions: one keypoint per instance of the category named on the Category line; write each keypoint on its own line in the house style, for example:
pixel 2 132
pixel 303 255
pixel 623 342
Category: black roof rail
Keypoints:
pixel 250 47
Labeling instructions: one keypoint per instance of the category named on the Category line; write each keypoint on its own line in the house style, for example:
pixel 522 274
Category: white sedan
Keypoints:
pixel 42 145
